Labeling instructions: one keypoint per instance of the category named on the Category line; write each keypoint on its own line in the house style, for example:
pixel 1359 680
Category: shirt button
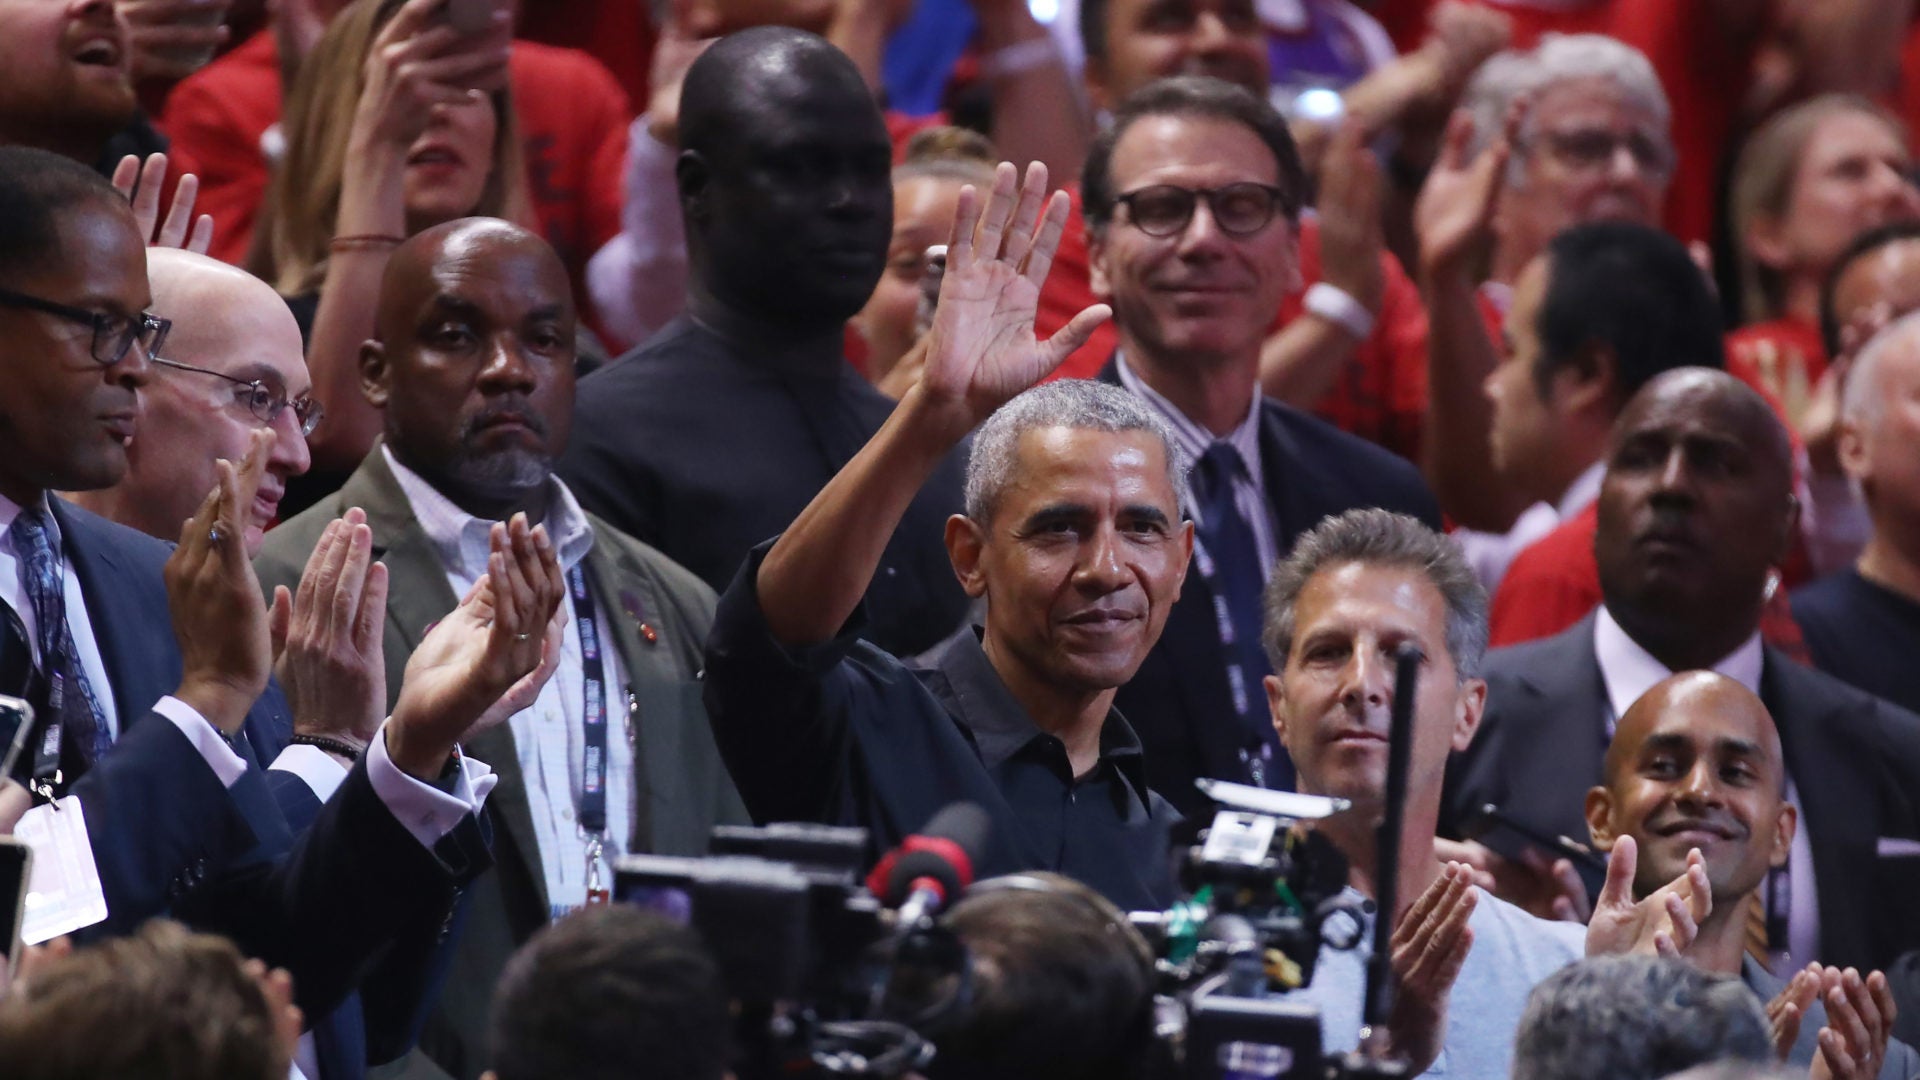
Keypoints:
pixel 566 814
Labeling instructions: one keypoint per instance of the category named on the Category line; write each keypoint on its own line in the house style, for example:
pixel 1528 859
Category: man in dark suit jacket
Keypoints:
pixel 159 738
pixel 1695 509
pixel 472 417
pixel 1194 284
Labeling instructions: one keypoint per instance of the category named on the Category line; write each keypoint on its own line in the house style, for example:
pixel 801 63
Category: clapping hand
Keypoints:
pixel 219 616
pixel 1430 943
pixel 488 658
pixel 1351 237
pixel 1665 923
pixel 1453 216
pixel 141 184
pixel 327 637
pixel 1860 1017
pixel 981 349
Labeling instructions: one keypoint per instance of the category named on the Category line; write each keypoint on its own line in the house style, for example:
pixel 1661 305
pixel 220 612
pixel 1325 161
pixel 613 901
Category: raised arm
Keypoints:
pixel 981 351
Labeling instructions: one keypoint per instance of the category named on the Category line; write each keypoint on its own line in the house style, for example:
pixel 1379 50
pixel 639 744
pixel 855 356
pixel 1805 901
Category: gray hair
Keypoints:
pixel 1861 400
pixel 1376 537
pixel 1636 1018
pixel 1556 59
pixel 1080 404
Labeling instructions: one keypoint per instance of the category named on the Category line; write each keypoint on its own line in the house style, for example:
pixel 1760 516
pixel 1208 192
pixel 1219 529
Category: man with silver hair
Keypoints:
pixel 1638 1018
pixel 1072 537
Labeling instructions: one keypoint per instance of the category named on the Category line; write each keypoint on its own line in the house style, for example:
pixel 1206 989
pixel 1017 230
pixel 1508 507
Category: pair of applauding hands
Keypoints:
pixel 481 664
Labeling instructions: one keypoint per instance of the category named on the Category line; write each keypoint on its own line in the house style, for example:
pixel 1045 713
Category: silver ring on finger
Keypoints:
pixel 214 536
pixel 522 637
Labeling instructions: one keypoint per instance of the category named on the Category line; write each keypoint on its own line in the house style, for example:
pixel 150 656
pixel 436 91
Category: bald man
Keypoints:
pixel 1695 511
pixel 716 433
pixel 473 368
pixel 1696 767
pixel 232 364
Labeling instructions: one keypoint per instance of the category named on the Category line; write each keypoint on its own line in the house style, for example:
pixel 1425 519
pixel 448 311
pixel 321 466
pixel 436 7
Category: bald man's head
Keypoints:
pixel 785 177
pixel 1879 427
pixel 1696 763
pixel 243 340
pixel 1695 511
pixel 473 363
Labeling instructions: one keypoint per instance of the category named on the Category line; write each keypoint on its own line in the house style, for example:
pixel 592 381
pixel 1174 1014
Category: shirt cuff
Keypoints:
pixel 321 771
pixel 219 754
pixel 424 810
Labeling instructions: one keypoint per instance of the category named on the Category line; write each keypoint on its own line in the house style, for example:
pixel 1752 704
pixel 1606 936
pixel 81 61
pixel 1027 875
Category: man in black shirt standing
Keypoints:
pixel 710 437
pixel 1073 538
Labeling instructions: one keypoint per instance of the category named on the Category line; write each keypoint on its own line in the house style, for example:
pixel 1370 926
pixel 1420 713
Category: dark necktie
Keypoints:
pixel 71 696
pixel 1237 583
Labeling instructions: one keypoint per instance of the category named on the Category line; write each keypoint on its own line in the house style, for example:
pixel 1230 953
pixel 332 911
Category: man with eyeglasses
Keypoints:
pixel 230 365
pixel 1192 201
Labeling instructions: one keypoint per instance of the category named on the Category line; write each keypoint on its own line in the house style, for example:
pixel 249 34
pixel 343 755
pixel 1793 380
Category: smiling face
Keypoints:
pixel 1332 702
pixel 1696 763
pixel 1201 295
pixel 474 366
pixel 1082 555
pixel 1157 39
pixel 68 71
pixel 448 165
pixel 66 419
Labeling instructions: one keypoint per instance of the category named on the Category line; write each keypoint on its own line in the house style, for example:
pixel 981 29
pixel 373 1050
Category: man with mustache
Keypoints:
pixel 1695 509
pixel 1192 200
pixel 474 370
pixel 1696 764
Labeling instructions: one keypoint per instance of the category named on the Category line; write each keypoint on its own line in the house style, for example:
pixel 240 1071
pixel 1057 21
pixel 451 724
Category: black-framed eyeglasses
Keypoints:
pixel 113 335
pixel 1239 209
pixel 262 399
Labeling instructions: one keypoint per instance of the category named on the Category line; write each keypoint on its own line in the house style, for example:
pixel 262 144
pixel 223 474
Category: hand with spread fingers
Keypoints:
pixel 491 654
pixel 1860 1016
pixel 1453 217
pixel 1664 924
pixel 1430 943
pixel 172 39
pixel 142 183
pixel 981 349
pixel 219 615
pixel 1351 236
pixel 327 636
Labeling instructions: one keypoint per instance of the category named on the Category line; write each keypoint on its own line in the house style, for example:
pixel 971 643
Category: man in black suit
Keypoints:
pixel 1192 198
pixel 160 743
pixel 716 433
pixel 1695 511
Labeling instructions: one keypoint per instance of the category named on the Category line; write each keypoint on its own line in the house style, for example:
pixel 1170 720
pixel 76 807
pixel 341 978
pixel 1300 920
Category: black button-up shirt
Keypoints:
pixel 846 734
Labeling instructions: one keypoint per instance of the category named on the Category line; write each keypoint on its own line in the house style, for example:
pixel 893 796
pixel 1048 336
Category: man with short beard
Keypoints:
pixel 473 366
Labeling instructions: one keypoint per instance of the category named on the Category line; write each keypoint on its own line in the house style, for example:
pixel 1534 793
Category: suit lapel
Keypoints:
pixel 624 597
pixel 419 597
pixel 122 607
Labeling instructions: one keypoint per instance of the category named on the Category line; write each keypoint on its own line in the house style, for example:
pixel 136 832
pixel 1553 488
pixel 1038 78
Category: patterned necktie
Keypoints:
pixel 1237 583
pixel 71 696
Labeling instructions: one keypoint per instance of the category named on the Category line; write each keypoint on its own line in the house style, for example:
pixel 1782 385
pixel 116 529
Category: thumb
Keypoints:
pixel 1624 860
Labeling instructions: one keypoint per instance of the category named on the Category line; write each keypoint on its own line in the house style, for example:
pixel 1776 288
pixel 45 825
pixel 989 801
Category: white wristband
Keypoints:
pixel 1020 57
pixel 1337 306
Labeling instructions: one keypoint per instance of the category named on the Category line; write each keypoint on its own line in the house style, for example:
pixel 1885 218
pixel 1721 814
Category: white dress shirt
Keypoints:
pixel 549 735
pixel 1630 671
pixel 1490 554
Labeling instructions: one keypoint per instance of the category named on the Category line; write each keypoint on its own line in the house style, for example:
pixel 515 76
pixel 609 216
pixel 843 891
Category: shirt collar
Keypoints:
pixel 461 538
pixel 1584 490
pixel 1001 726
pixel 1192 438
pixel 1630 671
pixel 10 510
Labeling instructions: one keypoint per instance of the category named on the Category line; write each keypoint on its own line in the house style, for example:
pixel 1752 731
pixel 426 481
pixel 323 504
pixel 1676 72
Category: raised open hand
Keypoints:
pixel 1453 216
pixel 1860 1016
pixel 219 616
pixel 981 350
pixel 1664 924
pixel 327 637
pixel 1351 237
pixel 500 634
pixel 1430 943
pixel 141 183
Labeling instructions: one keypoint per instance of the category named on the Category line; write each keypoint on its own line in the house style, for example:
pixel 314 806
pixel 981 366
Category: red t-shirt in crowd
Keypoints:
pixel 1704 71
pixel 1783 359
pixel 617 33
pixel 1555 583
pixel 1382 391
pixel 573 126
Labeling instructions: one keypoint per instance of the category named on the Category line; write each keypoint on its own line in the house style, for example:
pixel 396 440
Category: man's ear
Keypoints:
pixel 966 544
pixel 374 372
pixel 1599 808
pixel 1277 705
pixel 1787 824
pixel 1097 262
pixel 1469 706
pixel 1850 444
pixel 692 174
pixel 1590 383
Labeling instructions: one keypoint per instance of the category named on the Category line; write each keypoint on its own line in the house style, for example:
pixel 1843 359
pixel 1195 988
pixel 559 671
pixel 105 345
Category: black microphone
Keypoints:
pixel 933 866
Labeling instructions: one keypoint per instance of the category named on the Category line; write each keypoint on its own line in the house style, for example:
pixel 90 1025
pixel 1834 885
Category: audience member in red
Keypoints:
pixel 1603 310
pixel 572 127
pixel 1574 131
pixel 1812 178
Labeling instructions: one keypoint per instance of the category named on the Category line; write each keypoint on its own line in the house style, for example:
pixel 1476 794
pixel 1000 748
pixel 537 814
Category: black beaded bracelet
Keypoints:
pixel 330 744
